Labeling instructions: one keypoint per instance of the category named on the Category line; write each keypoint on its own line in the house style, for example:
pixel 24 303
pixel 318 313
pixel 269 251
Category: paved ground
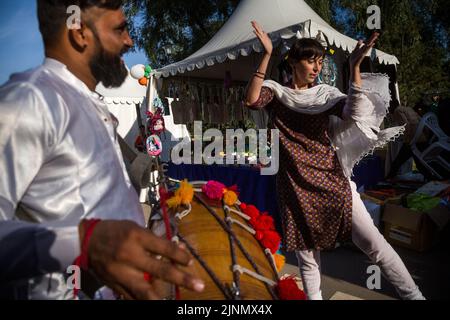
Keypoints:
pixel 345 271
pixel 336 289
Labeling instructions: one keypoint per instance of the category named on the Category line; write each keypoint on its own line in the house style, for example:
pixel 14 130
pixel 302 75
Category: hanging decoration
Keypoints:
pixel 141 73
pixel 154 127
pixel 329 72
pixel 154 145
pixel 155 122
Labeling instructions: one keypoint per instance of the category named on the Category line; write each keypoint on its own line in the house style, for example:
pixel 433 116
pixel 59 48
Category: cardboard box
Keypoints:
pixel 373 199
pixel 395 200
pixel 412 229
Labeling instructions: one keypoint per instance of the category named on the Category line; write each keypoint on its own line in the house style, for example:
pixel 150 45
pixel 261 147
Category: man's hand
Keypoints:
pixel 120 252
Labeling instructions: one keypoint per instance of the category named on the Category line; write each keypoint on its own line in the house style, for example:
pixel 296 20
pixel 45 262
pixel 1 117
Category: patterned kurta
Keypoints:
pixel 314 196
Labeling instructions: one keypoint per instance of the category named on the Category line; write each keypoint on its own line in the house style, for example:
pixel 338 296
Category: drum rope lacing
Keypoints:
pixel 234 291
pixel 240 224
pixel 184 213
pixel 205 266
pixel 255 275
pixel 241 214
pixel 239 244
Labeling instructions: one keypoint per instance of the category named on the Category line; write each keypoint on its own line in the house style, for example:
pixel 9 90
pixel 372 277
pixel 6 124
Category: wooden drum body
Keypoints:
pixel 212 248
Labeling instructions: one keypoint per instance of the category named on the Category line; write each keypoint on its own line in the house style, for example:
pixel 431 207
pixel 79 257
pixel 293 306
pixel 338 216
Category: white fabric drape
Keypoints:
pixel 358 133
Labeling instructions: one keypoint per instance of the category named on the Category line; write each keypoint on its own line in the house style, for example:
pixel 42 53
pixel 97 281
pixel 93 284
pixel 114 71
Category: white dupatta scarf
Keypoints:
pixel 359 133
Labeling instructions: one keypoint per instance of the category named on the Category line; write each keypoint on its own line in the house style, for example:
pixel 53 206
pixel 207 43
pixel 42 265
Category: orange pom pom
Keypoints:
pixel 143 81
pixel 230 198
pixel 185 192
pixel 174 202
pixel 279 261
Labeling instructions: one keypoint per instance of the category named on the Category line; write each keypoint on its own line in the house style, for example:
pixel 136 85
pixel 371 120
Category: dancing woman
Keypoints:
pixel 323 134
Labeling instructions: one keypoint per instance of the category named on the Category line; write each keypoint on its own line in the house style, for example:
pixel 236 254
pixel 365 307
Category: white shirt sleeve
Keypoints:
pixel 357 105
pixel 26 140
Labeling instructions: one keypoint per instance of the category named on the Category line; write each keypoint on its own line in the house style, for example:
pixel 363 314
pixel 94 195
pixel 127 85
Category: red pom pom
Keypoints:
pixel 264 222
pixel 251 211
pixel 287 289
pixel 234 188
pixel 259 235
pixel 243 206
pixel 271 240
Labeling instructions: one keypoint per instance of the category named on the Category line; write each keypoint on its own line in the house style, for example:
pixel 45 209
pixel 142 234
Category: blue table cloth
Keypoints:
pixel 260 190
pixel 254 188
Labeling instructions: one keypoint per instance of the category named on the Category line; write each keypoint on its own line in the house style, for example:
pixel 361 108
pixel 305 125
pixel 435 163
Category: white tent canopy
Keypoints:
pixel 280 18
pixel 129 93
pixel 122 102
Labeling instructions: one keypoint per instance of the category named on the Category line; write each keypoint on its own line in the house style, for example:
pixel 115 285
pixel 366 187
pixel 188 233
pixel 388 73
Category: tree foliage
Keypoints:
pixel 171 30
pixel 416 31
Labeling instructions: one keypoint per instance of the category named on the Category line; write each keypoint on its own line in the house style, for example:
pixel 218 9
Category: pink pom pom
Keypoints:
pixel 213 189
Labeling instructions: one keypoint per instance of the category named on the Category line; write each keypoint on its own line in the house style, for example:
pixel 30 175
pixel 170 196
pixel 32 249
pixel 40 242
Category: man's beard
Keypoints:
pixel 108 68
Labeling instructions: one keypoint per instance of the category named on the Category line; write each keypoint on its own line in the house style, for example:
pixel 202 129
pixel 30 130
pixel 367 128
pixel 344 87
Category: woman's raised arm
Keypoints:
pixel 254 88
pixel 358 55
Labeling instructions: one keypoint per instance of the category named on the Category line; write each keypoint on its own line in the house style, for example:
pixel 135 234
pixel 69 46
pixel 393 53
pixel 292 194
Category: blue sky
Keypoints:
pixel 21 44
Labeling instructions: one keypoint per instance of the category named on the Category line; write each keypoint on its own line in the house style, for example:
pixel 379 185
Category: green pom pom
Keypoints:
pixel 148 69
pixel 146 74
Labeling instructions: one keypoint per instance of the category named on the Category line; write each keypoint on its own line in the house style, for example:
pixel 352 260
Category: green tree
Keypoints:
pixel 417 33
pixel 171 30
pixel 324 8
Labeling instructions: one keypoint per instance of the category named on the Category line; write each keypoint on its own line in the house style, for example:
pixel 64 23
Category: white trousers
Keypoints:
pixel 365 236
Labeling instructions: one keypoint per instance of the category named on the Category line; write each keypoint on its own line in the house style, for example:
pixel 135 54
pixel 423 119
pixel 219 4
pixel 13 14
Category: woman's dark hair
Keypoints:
pixel 52 14
pixel 305 48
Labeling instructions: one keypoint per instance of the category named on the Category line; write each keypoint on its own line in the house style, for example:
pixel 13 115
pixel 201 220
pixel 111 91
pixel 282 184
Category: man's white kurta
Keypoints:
pixel 61 162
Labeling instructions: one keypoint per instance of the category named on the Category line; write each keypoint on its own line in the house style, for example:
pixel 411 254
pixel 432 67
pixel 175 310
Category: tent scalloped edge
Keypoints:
pixel 248 47
pixel 122 100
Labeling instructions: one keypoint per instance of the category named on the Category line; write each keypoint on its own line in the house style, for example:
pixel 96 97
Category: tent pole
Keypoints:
pixel 397 91
pixel 150 94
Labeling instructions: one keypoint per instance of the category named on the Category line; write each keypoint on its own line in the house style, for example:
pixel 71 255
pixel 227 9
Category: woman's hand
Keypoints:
pixel 360 51
pixel 254 88
pixel 263 37
pixel 357 57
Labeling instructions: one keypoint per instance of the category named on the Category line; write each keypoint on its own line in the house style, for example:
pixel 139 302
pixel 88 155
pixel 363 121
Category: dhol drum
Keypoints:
pixel 227 256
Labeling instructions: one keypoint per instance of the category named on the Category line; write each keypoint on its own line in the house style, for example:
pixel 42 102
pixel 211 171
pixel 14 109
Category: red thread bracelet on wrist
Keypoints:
pixel 83 259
